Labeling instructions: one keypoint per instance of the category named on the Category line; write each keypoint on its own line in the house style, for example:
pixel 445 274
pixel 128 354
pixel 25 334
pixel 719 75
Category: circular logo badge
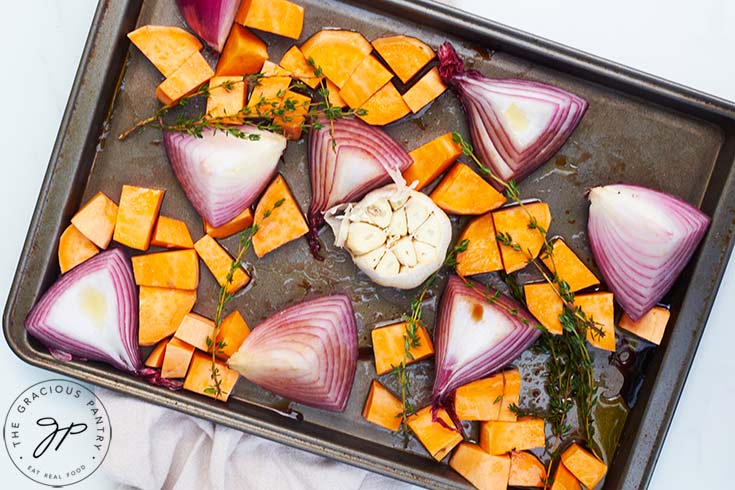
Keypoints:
pixel 57 432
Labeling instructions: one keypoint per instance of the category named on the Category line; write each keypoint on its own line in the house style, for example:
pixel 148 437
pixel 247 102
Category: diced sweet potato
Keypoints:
pixel 424 91
pixel 382 408
pixel 568 267
pixel 599 308
pixel 178 269
pixel 171 233
pixel 650 326
pixel 161 311
pixel 195 330
pixel 199 377
pixel 96 220
pixel 219 262
pixel 405 55
pixel 564 479
pixel 244 53
pixel 436 438
pixel 584 465
pixel 155 358
pixel 265 100
pixel 483 470
pixel 513 222
pixel 176 359
pixel 226 99
pixel 166 47
pixel 275 16
pixel 74 248
pixel 499 437
pixel 385 107
pixel 187 78
pixel 338 53
pixel 278 217
pixel 479 400
pixel 526 470
pixel 462 191
pixel 545 304
pixel 368 78
pixel 431 159
pixel 482 254
pixel 334 98
pixel 294 61
pixel 271 69
pixel 389 349
pixel 231 334
pixel 511 395
pixel 136 216
pixel 295 108
pixel 236 225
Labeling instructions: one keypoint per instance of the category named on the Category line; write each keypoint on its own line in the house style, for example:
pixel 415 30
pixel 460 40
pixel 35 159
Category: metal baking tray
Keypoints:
pixel 639 129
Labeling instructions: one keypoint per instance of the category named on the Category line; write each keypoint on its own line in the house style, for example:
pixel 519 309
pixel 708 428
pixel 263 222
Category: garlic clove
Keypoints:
pixel 425 253
pixel 416 214
pixel 388 265
pixel 397 226
pixel 364 237
pixel 404 251
pixel 380 213
pixel 429 232
pixel 370 259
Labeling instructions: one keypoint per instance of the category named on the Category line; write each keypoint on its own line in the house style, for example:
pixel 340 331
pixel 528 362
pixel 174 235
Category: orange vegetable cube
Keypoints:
pixel 171 233
pixel 431 159
pixel 382 408
pixel 296 107
pixel 428 88
pixel 568 266
pixel 231 334
pixel 219 262
pixel 265 100
pixel 334 98
pixel 271 69
pixel 479 400
pixel 384 107
pixel 178 269
pixel 176 359
pixel 199 377
pixel 482 254
pixel 511 395
pixel 74 248
pixel 499 437
pixel 368 78
pixel 650 326
pixel 389 349
pixel 599 308
pixel 136 216
pixel 195 330
pixel 526 470
pixel 483 470
pixel 337 53
pixel 584 465
pixel 564 479
pixel 513 221
pixel 236 225
pixel 278 217
pixel 155 358
pixel 545 304
pixel 166 47
pixel 436 438
pixel 405 55
pixel 244 53
pixel 187 78
pixel 294 61
pixel 462 191
pixel 226 99
pixel 96 220
pixel 275 16
pixel 160 312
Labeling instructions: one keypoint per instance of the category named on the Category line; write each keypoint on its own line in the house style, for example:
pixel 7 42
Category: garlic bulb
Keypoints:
pixel 396 235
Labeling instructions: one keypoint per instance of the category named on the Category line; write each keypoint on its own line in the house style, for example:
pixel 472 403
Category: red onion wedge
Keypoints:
pixel 91 313
pixel 641 240
pixel 307 353
pixel 347 159
pixel 516 125
pixel 477 333
pixel 211 20
pixel 222 175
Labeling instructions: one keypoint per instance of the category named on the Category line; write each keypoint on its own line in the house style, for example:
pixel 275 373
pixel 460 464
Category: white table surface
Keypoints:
pixel 686 41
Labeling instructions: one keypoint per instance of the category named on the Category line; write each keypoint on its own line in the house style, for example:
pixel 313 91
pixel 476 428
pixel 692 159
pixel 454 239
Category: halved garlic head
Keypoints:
pixel 396 235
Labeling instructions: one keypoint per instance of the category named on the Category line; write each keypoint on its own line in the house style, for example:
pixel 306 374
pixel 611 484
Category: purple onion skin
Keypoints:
pixel 211 20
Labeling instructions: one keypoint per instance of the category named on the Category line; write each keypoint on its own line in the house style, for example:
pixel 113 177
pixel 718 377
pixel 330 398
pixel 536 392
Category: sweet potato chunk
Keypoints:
pixel 295 108
pixel 384 107
pixel 482 254
pixel 294 61
pixel 382 408
pixel 244 53
pixel 231 334
pixel 218 261
pixel 526 470
pixel 178 269
pixel 598 307
pixel 545 304
pixel 265 100
pixel 483 470
pixel 337 53
pixel 405 55
pixel 511 395
pixel 480 400
pixel 368 78
pixel 564 479
pixel 334 98
pixel 462 191
pixel 568 267
pixel 271 69
pixel 96 220
pixel 155 358
pixel 278 217
pixel 136 216
pixel 388 346
pixel 236 225
pixel 226 99
pixel 171 233
pixel 431 159
pixel 436 438
pixel 650 326
pixel 199 377
pixel 176 359
pixel 166 47
pixel 513 223
pixel 161 311
pixel 187 78
pixel 74 248
pixel 275 16
pixel 499 437
pixel 195 330
pixel 424 91
pixel 584 465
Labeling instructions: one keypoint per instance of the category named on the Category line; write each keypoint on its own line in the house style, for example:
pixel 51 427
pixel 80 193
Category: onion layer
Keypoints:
pixel 641 240
pixel 516 125
pixel 210 19
pixel 306 353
